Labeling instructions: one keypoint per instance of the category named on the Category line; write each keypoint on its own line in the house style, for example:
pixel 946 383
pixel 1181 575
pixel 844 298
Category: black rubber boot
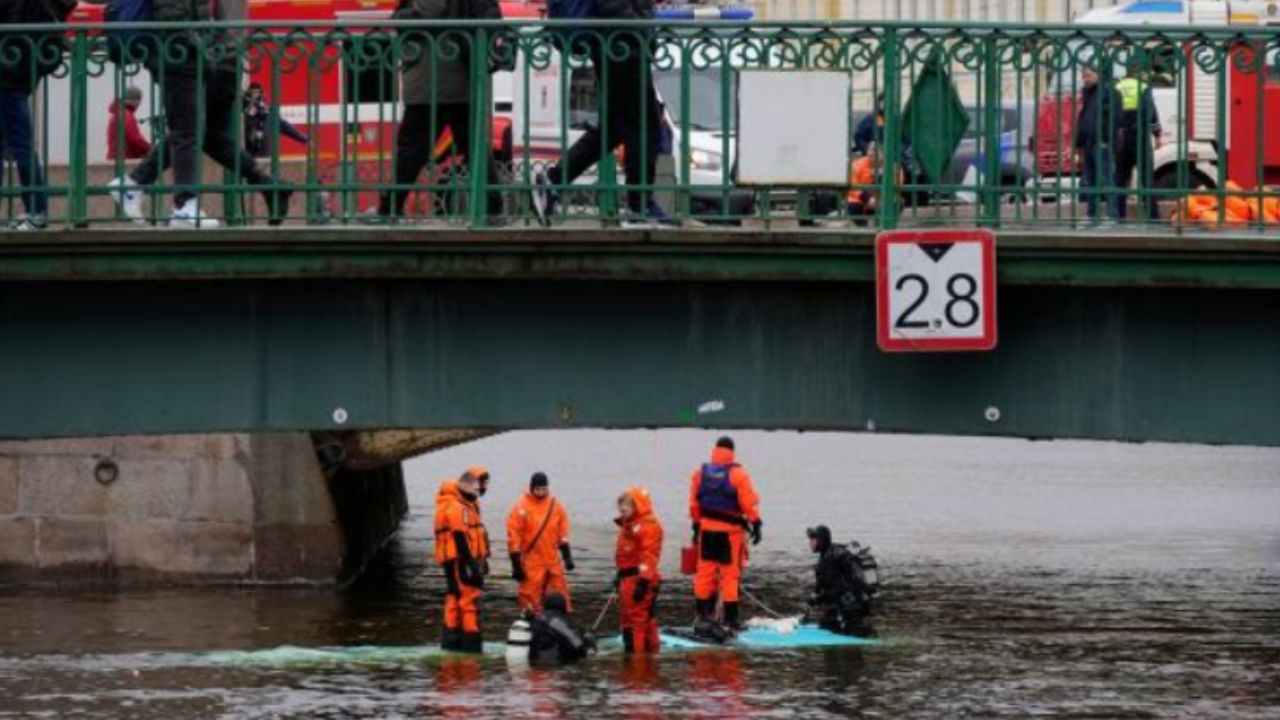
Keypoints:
pixel 704 608
pixel 731 620
pixel 451 640
pixel 471 643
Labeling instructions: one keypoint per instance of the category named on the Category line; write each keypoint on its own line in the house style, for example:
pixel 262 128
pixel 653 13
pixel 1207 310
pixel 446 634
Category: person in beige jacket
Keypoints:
pixel 437 94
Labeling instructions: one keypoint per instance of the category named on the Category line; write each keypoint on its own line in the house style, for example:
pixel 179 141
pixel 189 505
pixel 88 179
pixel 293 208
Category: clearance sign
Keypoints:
pixel 935 290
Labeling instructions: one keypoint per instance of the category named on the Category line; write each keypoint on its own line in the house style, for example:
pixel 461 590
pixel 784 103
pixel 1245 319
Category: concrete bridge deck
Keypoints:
pixel 1063 256
pixel 1133 336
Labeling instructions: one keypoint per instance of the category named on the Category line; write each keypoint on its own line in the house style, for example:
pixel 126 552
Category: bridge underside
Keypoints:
pixel 1131 338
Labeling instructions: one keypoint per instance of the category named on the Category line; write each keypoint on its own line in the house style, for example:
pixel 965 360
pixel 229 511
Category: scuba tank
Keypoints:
pixel 865 563
pixel 519 638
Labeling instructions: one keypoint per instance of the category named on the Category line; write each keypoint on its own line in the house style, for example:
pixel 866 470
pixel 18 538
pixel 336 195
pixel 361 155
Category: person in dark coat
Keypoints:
pixel 1095 138
pixel 25 59
pixel 437 95
pixel 181 85
pixel 632 115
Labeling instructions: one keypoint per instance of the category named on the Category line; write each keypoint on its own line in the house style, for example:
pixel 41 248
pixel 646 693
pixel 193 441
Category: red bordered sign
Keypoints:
pixel 935 290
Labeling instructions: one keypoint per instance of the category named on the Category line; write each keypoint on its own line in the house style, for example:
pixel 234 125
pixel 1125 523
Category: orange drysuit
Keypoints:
pixel 462 549
pixel 859 199
pixel 723 504
pixel 537 529
pixel 638 552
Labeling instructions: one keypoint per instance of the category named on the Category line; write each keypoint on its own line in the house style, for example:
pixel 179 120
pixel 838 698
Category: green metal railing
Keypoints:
pixel 961 124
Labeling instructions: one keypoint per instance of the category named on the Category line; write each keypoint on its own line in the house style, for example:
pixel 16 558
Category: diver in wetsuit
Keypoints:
pixel 841 598
pixel 556 639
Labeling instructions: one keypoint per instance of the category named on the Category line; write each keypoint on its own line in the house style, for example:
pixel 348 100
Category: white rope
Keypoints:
pixel 764 607
pixel 599 619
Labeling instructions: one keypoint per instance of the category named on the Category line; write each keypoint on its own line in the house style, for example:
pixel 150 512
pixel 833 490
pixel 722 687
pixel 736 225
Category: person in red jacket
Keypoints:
pixel 638 552
pixel 129 142
pixel 723 506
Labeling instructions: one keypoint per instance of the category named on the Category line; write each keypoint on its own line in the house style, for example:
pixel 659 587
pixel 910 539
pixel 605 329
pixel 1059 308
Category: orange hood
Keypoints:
pixel 644 503
pixel 448 489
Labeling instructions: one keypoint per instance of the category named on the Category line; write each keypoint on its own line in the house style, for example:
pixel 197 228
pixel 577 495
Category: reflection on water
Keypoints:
pixel 1093 580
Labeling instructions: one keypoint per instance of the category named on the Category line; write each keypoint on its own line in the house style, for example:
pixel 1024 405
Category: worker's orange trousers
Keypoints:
pixel 720 558
pixel 639 620
pixel 540 580
pixel 461 602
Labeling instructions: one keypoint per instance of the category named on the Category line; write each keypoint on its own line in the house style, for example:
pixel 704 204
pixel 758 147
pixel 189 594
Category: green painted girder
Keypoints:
pixel 1025 257
pixel 1143 341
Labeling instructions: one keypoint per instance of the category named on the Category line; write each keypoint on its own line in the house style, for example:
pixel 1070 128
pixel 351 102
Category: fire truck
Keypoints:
pixel 1205 142
pixel 349 113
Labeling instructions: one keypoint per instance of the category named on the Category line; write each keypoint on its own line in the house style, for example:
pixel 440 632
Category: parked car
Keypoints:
pixel 1016 130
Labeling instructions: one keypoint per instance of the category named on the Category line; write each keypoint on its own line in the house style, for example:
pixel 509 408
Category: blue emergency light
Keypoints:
pixel 698 12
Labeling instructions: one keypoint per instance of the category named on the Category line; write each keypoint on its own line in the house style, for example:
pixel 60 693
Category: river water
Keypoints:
pixel 1021 578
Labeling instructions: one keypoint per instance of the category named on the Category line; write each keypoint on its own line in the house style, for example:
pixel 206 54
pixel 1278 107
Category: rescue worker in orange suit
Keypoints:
pixel 724 507
pixel 462 549
pixel 538 540
pixel 639 550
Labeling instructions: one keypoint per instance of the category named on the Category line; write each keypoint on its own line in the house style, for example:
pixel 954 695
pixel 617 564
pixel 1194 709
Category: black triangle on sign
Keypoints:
pixel 935 250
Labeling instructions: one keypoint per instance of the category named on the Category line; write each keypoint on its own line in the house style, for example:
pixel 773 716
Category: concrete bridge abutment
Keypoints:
pixel 210 508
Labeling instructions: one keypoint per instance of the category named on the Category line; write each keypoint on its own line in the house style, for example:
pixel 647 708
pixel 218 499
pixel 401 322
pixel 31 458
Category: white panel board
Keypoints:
pixel 793 127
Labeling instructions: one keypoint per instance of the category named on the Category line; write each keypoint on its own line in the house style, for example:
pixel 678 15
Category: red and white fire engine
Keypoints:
pixel 1204 140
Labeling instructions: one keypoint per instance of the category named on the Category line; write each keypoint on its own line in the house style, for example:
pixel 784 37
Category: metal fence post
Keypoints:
pixel 481 129
pixel 78 210
pixel 990 137
pixel 892 132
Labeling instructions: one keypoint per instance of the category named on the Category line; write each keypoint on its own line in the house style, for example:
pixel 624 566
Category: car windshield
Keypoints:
pixel 704 94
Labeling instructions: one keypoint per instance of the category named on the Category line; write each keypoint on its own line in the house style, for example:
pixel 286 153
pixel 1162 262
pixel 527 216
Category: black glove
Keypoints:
pixel 696 529
pixel 642 589
pixel 567 555
pixel 517 568
pixel 471 573
pixel 755 532
pixel 617 580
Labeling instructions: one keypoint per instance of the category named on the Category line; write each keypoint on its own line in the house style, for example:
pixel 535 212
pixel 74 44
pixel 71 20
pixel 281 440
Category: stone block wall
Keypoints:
pixel 190 508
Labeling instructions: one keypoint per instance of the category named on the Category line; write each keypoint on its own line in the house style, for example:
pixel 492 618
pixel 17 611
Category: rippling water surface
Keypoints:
pixel 1061 578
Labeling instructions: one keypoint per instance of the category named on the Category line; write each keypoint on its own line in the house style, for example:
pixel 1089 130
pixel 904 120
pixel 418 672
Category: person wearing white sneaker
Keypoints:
pixel 128 197
pixel 29 223
pixel 189 216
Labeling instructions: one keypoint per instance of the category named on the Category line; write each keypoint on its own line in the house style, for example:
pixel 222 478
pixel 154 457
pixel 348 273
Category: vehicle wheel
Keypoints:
pixel 1167 179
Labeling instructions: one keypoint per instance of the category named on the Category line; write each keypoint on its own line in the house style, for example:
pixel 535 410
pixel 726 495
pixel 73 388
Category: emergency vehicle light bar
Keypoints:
pixel 688 12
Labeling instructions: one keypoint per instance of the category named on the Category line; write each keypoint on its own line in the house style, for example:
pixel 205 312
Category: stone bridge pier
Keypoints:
pixel 208 508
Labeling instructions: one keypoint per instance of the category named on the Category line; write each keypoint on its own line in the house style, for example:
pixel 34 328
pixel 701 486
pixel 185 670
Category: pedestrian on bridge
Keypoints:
pixel 184 80
pixel 631 116
pixel 462 550
pixel 538 541
pixel 1095 137
pixel 437 92
pixel 1137 137
pixel 25 59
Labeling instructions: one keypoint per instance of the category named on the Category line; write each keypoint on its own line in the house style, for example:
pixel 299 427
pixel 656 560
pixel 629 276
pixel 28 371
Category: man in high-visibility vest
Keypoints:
pixel 724 507
pixel 1137 136
pixel 462 549
pixel 538 540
